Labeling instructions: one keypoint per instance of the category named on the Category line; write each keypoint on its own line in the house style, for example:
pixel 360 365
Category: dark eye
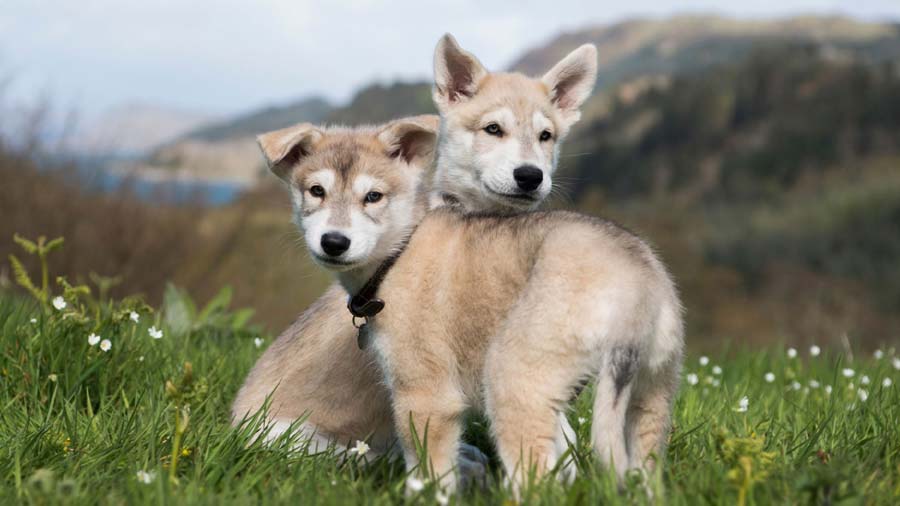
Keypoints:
pixel 373 197
pixel 545 135
pixel 493 129
pixel 317 191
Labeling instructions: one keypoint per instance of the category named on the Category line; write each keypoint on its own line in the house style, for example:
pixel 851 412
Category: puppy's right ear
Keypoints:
pixel 456 72
pixel 284 148
pixel 411 139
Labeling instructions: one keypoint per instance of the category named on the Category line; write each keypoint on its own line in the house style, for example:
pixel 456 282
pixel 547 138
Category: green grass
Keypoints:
pixel 77 424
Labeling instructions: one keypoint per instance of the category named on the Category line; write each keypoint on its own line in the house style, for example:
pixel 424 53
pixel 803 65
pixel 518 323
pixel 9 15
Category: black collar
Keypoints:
pixel 365 304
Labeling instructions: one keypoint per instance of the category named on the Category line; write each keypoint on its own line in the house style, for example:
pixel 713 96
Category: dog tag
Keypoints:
pixel 362 336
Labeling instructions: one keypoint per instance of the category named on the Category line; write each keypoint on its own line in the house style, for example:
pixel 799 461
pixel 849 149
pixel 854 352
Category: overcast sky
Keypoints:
pixel 224 56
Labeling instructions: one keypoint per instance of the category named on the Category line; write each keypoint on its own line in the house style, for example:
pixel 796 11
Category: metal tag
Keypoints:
pixel 362 336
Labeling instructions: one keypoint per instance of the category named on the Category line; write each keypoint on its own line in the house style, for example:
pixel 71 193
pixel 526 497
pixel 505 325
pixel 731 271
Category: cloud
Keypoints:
pixel 227 56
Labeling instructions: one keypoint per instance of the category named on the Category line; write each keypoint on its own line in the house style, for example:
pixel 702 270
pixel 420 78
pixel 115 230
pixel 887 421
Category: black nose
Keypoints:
pixel 334 243
pixel 528 177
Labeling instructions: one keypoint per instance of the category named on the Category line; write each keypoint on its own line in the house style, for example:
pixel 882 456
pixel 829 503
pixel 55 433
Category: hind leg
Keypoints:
pixel 615 381
pixel 649 416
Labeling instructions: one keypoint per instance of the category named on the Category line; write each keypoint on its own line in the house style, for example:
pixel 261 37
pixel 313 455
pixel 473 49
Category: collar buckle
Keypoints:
pixel 361 306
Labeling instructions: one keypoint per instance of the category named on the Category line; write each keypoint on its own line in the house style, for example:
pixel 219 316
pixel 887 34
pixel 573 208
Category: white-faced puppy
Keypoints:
pixel 507 314
pixel 500 132
pixel 315 369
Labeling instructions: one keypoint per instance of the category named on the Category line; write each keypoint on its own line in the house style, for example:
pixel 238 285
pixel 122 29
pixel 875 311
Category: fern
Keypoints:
pixel 40 248
pixel 27 245
pixel 24 280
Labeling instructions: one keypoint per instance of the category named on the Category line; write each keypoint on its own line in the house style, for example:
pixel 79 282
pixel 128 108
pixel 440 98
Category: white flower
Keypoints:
pixel 791 353
pixel 886 382
pixel 441 498
pixel 582 420
pixel 704 360
pixel 155 333
pixel 105 345
pixel 848 373
pixel 769 377
pixel 864 380
pixel 715 382
pixel 828 389
pixel 815 350
pixel 59 303
pixel 258 342
pixel 34 320
pixel 134 317
pixel 53 378
pixel 796 385
pixel 692 379
pixel 145 477
pixel 716 370
pixel 360 449
pixel 878 354
pixel 415 484
pixel 813 384
pixel 743 404
pixel 897 363
pixel 93 339
pixel 863 395
pixel 141 358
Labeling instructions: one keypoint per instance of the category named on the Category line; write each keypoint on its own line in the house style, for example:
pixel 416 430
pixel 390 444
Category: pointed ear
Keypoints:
pixel 571 81
pixel 411 139
pixel 284 148
pixel 456 72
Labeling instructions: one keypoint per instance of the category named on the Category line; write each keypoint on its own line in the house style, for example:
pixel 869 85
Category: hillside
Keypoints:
pixel 684 44
pixel 227 151
pixel 379 103
pixel 771 181
pixel 313 110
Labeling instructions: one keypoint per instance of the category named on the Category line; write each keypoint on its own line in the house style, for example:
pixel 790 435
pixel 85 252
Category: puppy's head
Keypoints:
pixel 500 132
pixel 357 193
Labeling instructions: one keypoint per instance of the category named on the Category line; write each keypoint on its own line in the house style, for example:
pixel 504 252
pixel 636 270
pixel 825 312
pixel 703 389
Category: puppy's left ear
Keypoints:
pixel 412 139
pixel 571 81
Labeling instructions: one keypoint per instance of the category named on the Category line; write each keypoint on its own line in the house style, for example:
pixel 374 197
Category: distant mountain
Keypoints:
pixel 373 104
pixel 133 129
pixel 681 44
pixel 634 56
pixel 313 110
pixel 227 150
pixel 379 103
pixel 741 131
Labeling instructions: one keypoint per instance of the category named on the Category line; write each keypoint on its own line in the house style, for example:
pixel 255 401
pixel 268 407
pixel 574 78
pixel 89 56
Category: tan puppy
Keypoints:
pixel 505 314
pixel 315 369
